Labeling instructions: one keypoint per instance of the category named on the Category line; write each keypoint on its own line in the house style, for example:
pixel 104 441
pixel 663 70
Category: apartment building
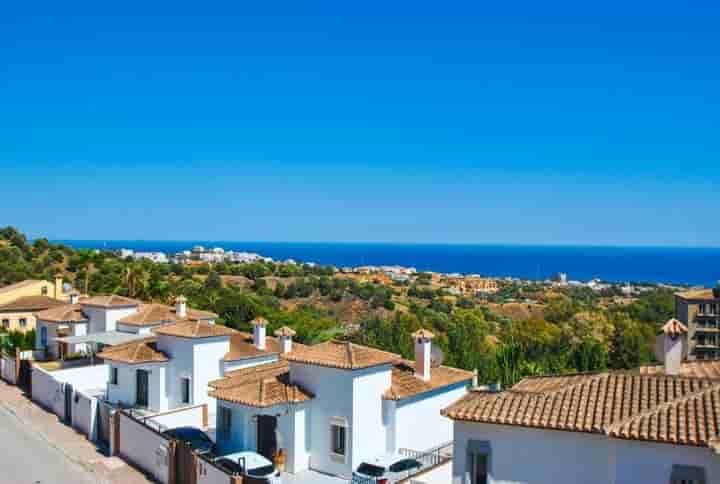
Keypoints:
pixel 699 310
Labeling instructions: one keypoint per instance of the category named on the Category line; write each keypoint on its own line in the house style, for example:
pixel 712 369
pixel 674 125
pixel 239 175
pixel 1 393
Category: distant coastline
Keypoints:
pixel 672 265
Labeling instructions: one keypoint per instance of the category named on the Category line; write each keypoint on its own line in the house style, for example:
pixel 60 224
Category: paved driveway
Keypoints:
pixel 36 448
pixel 25 457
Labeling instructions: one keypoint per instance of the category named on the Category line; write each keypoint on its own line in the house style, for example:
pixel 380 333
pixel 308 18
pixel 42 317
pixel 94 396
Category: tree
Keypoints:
pixel 213 282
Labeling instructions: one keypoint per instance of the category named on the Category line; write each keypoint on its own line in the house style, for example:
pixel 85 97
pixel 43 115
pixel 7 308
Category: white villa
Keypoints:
pixel 655 425
pixel 330 406
pixel 104 320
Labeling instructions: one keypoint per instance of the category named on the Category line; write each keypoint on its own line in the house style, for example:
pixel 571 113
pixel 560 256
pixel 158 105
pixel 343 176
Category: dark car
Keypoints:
pixel 198 440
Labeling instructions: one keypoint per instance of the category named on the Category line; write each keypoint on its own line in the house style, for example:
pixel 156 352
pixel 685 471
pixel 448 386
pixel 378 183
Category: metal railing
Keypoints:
pixel 431 457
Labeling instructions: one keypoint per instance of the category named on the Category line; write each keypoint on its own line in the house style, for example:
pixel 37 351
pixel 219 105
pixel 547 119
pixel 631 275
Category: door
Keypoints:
pixel 68 403
pixel 266 436
pixel 141 399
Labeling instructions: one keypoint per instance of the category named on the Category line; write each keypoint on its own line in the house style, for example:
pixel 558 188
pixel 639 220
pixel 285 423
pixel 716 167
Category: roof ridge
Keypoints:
pixel 592 377
pixel 614 427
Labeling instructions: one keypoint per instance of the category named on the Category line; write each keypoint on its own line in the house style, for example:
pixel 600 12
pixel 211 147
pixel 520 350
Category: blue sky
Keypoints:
pixel 481 122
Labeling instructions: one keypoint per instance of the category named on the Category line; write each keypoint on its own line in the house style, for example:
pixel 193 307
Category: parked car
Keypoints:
pixel 385 469
pixel 198 440
pixel 255 468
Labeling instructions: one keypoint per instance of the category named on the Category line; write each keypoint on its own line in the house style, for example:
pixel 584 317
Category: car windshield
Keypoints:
pixel 371 470
pixel 261 471
pixel 191 434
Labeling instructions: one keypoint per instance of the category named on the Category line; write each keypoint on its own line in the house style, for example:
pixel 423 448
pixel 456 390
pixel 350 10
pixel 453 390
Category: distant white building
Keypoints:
pixel 158 257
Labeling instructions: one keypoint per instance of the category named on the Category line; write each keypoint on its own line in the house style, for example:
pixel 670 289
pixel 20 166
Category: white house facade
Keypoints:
pixel 330 406
pixel 619 427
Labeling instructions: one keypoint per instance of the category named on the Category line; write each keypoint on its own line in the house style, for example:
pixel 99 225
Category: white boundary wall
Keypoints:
pixel 144 448
pixel 8 369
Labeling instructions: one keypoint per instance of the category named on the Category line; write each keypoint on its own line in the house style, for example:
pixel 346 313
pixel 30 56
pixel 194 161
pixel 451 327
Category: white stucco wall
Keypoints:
pixel 76 329
pixel 333 390
pixel 125 391
pixel 47 391
pixel 144 448
pixel 369 431
pixel 8 369
pixel 208 365
pixel 105 319
pixel 524 455
pixel 84 413
pixel 186 417
pixel 131 328
pixel 425 408
pixel 249 362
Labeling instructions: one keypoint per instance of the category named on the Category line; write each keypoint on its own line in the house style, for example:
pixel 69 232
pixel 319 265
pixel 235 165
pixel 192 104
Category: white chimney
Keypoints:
pixel 423 358
pixel 74 297
pixel 181 307
pixel 259 331
pixel 285 335
pixel 674 346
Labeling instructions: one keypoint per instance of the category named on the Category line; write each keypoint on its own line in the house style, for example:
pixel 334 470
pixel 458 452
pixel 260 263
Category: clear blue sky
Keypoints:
pixel 511 122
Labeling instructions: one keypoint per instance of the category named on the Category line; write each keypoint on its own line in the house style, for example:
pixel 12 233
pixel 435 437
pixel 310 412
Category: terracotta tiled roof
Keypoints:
pixel 110 301
pixel 697 294
pixel 31 303
pixel 194 329
pixel 674 328
pixel 242 346
pixel 67 313
pixel 655 408
pixel 18 285
pixel 689 369
pixel 405 384
pixel 246 375
pixel 149 314
pixel 261 386
pixel 341 354
pixel 139 351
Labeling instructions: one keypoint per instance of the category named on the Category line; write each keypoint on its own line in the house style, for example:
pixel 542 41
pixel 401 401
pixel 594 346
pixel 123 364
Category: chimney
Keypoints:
pixel 74 297
pixel 58 285
pixel 259 330
pixel 423 357
pixel 285 335
pixel 674 343
pixel 181 307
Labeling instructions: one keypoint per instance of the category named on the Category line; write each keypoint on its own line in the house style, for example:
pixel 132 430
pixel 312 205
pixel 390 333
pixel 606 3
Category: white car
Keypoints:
pixel 385 469
pixel 253 466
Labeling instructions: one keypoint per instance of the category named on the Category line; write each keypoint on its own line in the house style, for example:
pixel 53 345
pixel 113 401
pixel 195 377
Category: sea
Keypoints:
pixel 672 265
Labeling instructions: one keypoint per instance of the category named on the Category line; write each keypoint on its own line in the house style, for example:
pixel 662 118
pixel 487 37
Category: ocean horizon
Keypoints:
pixel 672 265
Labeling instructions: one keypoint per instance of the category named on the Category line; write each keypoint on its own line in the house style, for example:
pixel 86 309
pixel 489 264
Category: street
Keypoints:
pixel 27 458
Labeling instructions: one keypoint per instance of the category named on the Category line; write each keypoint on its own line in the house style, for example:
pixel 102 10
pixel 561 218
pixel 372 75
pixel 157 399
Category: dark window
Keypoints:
pixel 6 323
pixel 114 376
pixel 225 422
pixel 44 291
pixel 337 434
pixel 185 389
pixel 23 322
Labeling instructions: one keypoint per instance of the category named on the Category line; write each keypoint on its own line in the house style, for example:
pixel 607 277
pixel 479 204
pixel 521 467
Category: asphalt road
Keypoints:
pixel 26 458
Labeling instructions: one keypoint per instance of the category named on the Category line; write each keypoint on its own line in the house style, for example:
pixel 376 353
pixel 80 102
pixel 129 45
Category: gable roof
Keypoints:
pixel 341 354
pixel 139 351
pixel 259 386
pixel 18 285
pixel 31 303
pixel 655 408
pixel 194 329
pixel 405 384
pixel 109 301
pixel 697 294
pixel 153 313
pixel 690 369
pixel 67 313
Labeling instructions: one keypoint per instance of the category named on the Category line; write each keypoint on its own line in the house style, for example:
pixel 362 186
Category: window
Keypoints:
pixel 43 337
pixel 225 422
pixel 185 390
pixel 687 475
pixel 478 461
pixel 701 309
pixel 23 322
pixel 338 436
pixel 113 375
pixel 6 323
pixel 44 291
